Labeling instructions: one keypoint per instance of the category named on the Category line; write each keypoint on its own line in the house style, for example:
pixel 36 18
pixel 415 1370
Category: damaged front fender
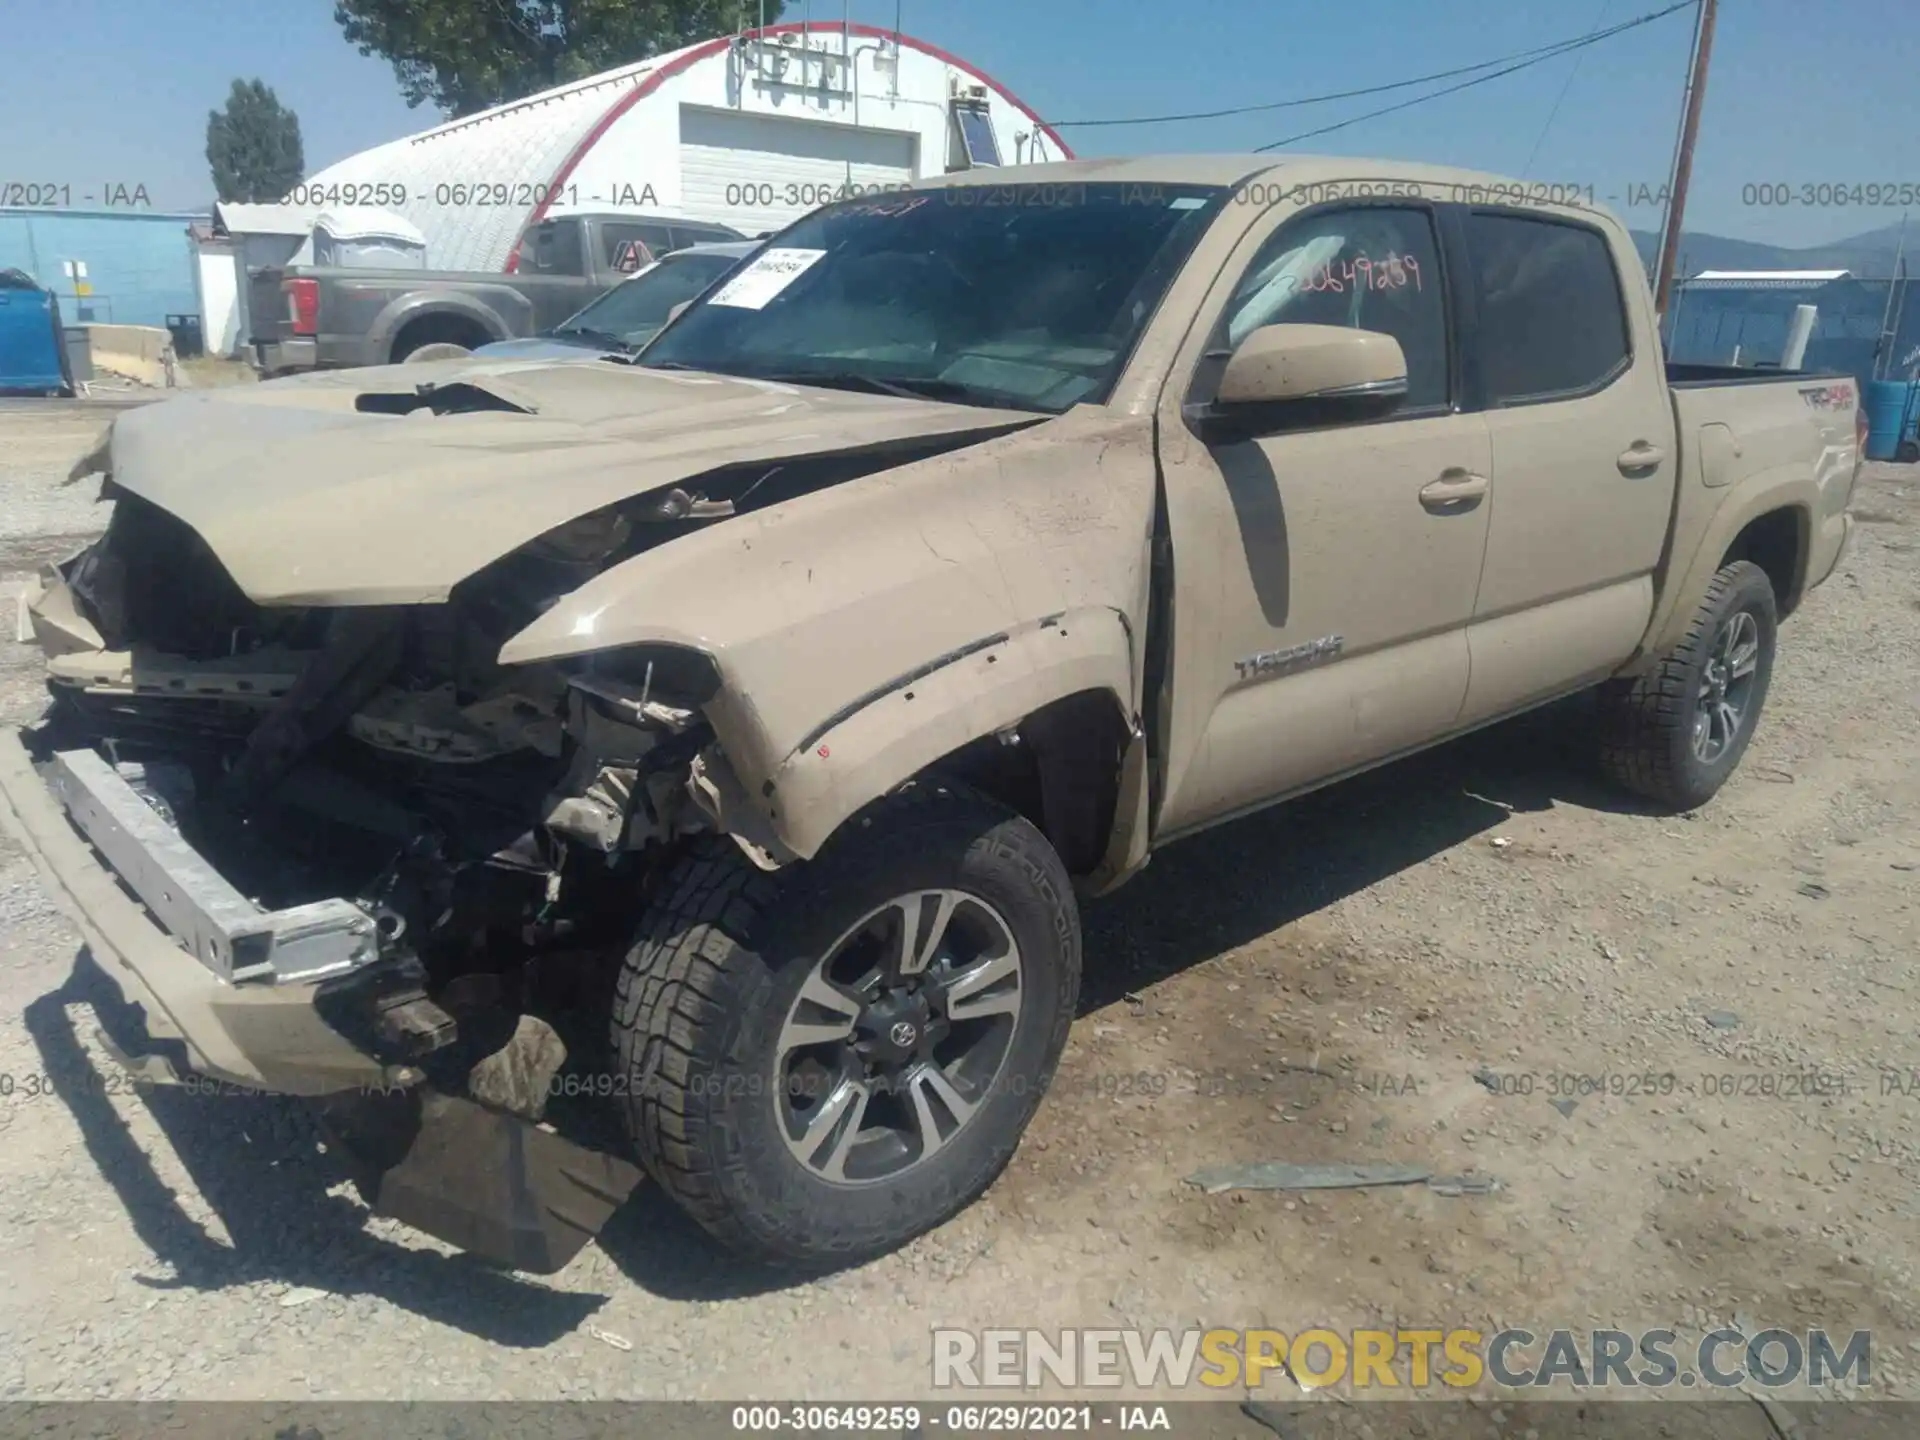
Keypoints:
pixel 892 736
pixel 863 632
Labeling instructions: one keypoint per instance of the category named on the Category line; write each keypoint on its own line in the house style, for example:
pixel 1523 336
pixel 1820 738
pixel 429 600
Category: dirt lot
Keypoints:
pixel 1318 984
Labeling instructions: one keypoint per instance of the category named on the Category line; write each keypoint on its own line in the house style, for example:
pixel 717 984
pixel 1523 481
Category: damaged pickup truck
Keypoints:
pixel 770 700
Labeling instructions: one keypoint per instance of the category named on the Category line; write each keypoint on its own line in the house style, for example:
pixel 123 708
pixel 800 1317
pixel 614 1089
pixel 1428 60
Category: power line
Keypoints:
pixel 1579 44
pixel 1561 98
pixel 1542 52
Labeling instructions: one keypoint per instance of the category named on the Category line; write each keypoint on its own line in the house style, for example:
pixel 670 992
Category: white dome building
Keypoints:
pixel 751 130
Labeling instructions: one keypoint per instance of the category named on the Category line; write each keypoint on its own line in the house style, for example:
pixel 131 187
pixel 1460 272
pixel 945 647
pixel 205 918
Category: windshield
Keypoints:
pixel 1028 296
pixel 634 309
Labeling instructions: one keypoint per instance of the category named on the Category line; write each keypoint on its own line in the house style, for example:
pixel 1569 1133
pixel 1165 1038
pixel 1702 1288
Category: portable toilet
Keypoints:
pixel 359 236
pixel 32 359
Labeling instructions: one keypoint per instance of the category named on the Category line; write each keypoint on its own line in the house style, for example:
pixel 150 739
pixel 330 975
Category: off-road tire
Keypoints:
pixel 1646 722
pixel 722 953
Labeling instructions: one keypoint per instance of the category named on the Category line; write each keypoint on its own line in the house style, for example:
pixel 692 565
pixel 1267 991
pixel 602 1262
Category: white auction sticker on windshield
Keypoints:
pixel 770 273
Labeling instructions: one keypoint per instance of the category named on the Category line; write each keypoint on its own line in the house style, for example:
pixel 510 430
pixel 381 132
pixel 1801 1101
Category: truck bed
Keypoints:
pixel 1694 377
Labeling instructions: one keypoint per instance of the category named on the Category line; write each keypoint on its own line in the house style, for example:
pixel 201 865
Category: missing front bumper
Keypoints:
pixel 267 1036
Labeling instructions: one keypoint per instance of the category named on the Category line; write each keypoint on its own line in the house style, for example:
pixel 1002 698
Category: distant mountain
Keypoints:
pixel 1869 256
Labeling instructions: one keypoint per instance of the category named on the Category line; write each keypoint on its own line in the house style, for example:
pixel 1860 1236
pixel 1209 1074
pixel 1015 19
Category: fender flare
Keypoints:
pixel 1689 575
pixel 887 738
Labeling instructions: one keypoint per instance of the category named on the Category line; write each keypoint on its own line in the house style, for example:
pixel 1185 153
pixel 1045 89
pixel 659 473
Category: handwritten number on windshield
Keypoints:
pixel 1393 271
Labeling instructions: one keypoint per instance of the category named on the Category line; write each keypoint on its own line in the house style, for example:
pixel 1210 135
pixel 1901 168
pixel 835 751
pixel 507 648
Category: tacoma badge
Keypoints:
pixel 1268 663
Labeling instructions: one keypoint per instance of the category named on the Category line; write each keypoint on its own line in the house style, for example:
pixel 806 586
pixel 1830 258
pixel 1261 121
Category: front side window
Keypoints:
pixel 1552 321
pixel 1028 296
pixel 1368 268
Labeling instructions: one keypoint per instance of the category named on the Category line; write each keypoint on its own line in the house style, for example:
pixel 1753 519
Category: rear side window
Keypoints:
pixel 1552 323
pixel 556 249
pixel 629 248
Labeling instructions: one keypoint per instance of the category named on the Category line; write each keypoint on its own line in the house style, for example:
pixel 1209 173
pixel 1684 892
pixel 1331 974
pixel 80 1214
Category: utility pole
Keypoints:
pixel 1683 161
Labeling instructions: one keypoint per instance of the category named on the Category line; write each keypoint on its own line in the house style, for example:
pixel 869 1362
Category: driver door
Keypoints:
pixel 1323 578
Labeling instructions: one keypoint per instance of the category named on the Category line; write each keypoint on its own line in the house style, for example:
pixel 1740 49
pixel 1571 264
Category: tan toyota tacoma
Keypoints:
pixel 771 700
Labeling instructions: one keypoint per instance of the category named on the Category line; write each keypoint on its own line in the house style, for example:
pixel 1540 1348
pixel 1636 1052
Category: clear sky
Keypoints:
pixel 101 92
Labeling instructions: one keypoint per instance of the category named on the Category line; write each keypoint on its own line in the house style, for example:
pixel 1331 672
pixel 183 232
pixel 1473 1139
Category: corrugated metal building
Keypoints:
pixel 140 264
pixel 751 130
pixel 1720 313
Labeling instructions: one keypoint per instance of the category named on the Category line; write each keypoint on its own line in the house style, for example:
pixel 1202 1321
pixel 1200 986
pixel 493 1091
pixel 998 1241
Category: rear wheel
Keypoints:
pixel 1676 733
pixel 435 350
pixel 822 1065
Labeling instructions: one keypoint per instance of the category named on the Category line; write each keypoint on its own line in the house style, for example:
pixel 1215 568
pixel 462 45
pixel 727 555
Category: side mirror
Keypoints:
pixel 1286 377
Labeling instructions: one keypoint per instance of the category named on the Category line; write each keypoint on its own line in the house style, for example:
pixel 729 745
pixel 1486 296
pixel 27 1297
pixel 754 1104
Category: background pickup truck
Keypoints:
pixel 753 714
pixel 331 315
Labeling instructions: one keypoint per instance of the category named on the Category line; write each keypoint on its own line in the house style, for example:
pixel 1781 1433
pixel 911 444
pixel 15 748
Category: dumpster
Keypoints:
pixel 1893 408
pixel 188 341
pixel 32 359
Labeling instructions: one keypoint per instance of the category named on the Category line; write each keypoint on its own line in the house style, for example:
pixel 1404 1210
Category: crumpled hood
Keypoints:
pixel 308 499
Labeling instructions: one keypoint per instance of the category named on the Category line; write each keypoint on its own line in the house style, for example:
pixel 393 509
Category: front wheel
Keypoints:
pixel 1676 733
pixel 822 1065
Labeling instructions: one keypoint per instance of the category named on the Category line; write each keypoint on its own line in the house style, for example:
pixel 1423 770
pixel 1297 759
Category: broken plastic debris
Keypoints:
pixel 1283 1175
pixel 1463 1184
pixel 618 1342
pixel 301 1295
pixel 1500 842
pixel 1280 1175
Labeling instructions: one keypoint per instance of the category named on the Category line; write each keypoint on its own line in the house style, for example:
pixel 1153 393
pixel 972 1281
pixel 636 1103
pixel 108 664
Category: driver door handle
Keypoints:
pixel 1455 490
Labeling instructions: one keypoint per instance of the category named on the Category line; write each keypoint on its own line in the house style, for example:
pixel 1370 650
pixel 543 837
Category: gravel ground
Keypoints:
pixel 1336 971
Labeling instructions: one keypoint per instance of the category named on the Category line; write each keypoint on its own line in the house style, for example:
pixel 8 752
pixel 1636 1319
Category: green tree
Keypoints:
pixel 468 55
pixel 254 145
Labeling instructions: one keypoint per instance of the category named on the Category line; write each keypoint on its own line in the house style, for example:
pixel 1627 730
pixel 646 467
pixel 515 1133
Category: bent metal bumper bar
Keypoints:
pixel 227 932
pixel 488 1182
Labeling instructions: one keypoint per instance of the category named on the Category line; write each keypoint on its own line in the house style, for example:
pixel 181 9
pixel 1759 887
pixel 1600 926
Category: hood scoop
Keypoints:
pixel 460 397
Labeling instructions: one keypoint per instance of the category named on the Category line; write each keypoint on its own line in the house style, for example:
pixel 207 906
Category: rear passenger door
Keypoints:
pixel 1568 370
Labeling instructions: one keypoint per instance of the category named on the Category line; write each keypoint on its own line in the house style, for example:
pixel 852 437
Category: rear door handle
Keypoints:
pixel 1454 491
pixel 1640 456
